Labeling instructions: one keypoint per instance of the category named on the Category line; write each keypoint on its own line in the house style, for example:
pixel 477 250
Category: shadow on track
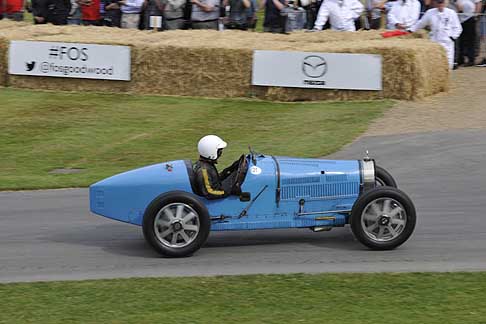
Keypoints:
pixel 122 239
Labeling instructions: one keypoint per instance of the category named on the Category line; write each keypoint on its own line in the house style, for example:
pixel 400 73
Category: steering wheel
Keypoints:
pixel 241 172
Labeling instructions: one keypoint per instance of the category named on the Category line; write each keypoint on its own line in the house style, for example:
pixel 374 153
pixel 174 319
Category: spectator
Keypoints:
pixel 374 9
pixel 424 6
pixel 12 9
pixel 152 8
pixel 403 14
pixel 238 14
pixel 467 15
pixel 173 14
pixel 74 17
pixel 444 27
pixel 296 17
pixel 251 14
pixel 51 11
pixel 39 11
pixel 274 22
pixel 112 16
pixel 311 7
pixel 482 34
pixel 131 10
pixel 90 12
pixel 205 14
pixel 341 13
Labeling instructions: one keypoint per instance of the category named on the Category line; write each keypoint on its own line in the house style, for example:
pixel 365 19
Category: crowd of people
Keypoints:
pixel 458 25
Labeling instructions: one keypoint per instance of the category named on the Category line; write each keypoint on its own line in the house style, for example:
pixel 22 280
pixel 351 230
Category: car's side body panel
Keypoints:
pixel 321 185
pixel 125 196
pixel 285 192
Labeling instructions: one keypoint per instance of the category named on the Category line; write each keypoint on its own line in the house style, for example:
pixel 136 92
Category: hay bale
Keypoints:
pixel 3 61
pixel 218 64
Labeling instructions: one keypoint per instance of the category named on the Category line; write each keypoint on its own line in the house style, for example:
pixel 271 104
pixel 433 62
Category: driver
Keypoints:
pixel 209 183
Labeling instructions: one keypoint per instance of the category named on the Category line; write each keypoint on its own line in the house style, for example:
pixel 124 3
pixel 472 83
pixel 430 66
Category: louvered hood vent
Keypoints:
pixel 318 179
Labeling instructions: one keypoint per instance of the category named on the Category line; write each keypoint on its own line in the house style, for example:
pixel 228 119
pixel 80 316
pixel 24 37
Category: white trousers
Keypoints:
pixel 130 21
pixel 449 48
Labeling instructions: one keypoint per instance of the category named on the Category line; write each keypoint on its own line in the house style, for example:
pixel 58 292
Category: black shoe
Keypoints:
pixel 483 63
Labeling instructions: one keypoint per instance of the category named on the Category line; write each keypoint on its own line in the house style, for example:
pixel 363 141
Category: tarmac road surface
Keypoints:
pixel 50 235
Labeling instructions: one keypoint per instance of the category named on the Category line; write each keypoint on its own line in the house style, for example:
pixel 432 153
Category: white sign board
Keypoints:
pixel 69 60
pixel 317 70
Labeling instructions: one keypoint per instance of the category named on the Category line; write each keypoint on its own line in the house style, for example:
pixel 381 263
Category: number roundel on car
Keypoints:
pixel 255 170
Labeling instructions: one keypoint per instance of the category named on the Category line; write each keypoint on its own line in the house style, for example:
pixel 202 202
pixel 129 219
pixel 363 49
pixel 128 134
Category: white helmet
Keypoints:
pixel 209 145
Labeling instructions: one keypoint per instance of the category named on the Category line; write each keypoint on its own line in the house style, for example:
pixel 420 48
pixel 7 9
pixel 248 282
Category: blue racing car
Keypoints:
pixel 276 192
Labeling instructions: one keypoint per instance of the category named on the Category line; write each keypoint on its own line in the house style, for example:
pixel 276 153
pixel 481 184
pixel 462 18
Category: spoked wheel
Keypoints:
pixel 383 218
pixel 384 178
pixel 176 224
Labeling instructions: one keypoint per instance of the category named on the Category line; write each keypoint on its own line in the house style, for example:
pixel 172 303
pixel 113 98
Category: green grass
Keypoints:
pixel 104 134
pixel 325 298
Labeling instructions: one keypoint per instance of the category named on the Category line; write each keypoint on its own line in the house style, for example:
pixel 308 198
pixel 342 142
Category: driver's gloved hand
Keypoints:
pixel 226 172
pixel 236 190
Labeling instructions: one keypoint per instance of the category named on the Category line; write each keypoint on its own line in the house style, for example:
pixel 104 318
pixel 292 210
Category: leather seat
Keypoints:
pixel 192 177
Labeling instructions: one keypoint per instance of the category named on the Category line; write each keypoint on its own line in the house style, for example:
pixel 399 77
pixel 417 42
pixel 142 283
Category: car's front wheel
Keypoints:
pixel 384 178
pixel 176 224
pixel 383 218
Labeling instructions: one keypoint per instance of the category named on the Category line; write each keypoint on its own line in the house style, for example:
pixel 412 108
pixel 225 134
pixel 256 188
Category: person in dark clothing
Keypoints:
pixel 55 12
pixel 152 8
pixel 238 15
pixel 467 15
pixel 209 182
pixel 112 16
pixel 274 22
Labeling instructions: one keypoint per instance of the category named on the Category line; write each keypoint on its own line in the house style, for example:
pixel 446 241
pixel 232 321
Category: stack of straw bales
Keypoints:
pixel 218 64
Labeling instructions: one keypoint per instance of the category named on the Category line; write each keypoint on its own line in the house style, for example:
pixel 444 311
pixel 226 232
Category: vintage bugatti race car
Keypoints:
pixel 277 192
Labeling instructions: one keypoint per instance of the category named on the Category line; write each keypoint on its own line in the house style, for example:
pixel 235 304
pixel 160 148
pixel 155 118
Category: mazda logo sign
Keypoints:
pixel 314 66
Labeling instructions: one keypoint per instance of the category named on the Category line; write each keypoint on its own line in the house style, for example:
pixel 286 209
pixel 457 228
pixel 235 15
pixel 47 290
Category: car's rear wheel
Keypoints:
pixel 384 178
pixel 176 224
pixel 383 218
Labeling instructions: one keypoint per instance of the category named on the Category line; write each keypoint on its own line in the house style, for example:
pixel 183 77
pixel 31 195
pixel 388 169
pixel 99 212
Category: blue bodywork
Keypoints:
pixel 293 193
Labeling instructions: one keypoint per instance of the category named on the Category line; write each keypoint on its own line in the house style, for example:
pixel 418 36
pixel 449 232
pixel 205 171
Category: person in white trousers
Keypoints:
pixel 341 13
pixel 444 25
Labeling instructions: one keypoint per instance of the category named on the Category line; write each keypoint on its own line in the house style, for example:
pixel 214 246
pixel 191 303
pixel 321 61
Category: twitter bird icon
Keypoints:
pixel 29 66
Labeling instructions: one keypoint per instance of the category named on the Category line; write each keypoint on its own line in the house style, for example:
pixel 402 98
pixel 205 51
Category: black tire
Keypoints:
pixel 384 178
pixel 176 198
pixel 370 238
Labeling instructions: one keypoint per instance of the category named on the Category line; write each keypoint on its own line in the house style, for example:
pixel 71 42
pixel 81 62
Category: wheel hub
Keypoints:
pixel 384 220
pixel 177 226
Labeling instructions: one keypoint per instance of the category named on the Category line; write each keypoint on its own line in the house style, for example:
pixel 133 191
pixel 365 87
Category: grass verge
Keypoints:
pixel 103 134
pixel 302 298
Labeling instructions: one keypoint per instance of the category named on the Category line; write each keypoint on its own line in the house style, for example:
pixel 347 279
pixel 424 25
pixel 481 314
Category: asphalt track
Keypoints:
pixel 50 235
